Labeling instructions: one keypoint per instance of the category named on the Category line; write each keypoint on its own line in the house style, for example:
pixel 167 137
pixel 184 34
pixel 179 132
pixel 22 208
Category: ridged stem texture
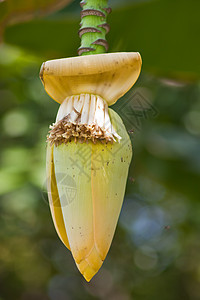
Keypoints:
pixel 93 27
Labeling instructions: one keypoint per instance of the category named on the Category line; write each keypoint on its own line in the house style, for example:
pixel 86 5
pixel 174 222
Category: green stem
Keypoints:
pixel 93 27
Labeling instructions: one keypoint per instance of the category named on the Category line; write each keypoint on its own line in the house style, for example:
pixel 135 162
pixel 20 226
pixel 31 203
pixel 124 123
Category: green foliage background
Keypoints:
pixel 156 250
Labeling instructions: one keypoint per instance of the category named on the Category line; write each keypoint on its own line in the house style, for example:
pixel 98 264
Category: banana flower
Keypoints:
pixel 86 195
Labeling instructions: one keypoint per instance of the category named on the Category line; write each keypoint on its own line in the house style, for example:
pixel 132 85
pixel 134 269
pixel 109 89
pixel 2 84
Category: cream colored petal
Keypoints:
pixel 91 119
pixel 107 124
pixel 85 111
pixel 109 75
pixel 53 196
pixel 99 114
pixel 77 104
pixel 65 108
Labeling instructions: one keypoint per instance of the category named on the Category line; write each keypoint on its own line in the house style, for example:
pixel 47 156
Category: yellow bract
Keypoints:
pixel 108 75
pixel 90 214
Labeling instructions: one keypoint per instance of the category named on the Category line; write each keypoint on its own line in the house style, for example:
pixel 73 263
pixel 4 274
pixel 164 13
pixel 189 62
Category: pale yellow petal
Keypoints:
pixel 78 209
pixel 111 163
pixel 54 201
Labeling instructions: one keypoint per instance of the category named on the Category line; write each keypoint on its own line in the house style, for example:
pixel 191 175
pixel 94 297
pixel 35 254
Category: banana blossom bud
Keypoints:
pixel 88 151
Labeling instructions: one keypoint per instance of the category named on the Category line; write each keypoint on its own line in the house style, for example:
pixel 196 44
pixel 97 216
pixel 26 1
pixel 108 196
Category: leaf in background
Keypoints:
pixel 165 32
pixel 14 11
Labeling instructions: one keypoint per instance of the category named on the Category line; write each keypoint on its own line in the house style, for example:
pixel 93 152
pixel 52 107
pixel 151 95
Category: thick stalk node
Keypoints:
pixel 94 27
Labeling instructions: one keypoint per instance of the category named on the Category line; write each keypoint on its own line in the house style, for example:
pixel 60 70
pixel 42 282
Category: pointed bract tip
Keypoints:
pixel 90 265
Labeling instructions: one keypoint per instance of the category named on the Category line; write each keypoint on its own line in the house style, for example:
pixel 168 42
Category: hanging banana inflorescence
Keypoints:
pixel 88 148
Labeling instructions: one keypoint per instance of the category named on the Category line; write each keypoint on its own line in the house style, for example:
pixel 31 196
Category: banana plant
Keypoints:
pixel 88 148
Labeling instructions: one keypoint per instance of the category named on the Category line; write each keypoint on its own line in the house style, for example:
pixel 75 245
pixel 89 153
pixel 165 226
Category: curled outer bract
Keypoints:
pixel 108 75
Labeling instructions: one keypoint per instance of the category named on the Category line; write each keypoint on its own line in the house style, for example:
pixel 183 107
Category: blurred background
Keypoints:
pixel 155 253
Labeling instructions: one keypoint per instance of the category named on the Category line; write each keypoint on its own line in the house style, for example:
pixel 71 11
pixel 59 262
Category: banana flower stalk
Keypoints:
pixel 86 195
